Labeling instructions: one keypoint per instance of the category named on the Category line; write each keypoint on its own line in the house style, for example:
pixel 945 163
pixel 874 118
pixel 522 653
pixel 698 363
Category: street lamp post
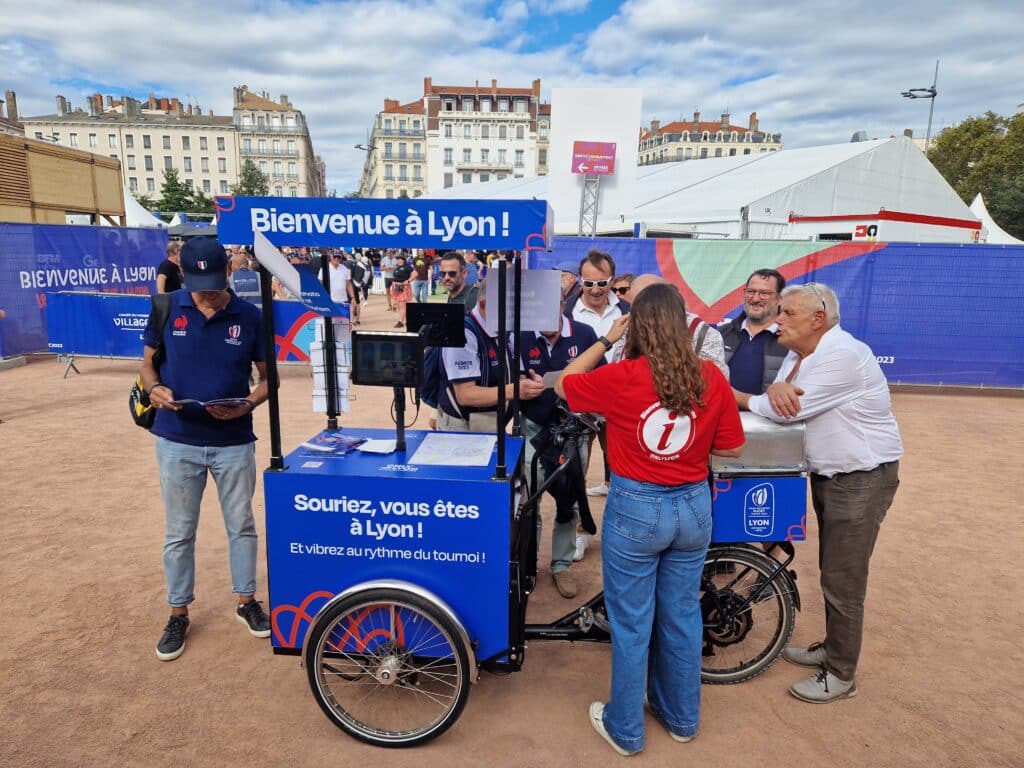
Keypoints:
pixel 926 93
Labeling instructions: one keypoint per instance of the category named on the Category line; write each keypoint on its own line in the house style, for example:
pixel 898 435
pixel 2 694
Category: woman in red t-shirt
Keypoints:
pixel 667 412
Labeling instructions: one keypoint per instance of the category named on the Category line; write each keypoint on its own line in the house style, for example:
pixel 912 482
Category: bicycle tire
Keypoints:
pixel 387 667
pixel 748 620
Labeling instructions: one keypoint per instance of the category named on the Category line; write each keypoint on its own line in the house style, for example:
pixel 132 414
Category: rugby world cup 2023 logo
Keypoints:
pixel 759 511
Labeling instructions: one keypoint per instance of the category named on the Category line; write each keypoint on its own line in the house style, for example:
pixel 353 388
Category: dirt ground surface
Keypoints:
pixel 83 605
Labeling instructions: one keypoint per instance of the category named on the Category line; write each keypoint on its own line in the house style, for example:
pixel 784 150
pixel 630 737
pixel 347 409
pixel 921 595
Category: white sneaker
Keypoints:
pixel 581 547
pixel 599 490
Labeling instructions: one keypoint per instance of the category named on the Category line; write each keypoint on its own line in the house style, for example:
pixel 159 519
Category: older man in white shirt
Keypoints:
pixel 831 382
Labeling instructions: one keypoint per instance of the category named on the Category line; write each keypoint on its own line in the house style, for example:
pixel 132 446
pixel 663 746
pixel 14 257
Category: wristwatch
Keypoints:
pixel 607 344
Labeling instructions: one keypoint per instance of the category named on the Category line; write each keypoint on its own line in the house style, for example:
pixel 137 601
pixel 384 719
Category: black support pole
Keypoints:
pixel 500 471
pixel 330 355
pixel 273 406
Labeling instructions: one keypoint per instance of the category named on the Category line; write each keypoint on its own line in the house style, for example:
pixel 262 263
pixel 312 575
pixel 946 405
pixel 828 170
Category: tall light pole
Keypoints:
pixel 926 93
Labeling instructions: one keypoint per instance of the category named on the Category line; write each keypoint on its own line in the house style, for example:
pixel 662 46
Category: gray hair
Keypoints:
pixel 817 293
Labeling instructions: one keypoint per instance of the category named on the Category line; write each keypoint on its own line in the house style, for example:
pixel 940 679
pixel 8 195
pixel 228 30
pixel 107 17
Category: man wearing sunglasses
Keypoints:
pixel 453 277
pixel 752 348
pixel 597 305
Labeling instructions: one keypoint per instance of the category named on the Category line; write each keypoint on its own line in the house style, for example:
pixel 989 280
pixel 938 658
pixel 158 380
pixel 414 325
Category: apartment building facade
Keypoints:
pixel 696 139
pixel 454 136
pixel 207 150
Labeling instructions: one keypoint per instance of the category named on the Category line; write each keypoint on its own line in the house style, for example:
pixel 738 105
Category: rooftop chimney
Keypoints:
pixel 536 87
pixel 62 105
pixel 696 121
pixel 494 86
pixel 655 125
pixel 12 105
pixel 427 85
pixel 90 101
pixel 725 120
pixel 753 121
pixel 390 104
pixel 284 100
pixel 908 132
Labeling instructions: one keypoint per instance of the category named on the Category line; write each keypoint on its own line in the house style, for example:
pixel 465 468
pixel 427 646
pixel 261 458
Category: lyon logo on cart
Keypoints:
pixel 759 510
pixel 664 433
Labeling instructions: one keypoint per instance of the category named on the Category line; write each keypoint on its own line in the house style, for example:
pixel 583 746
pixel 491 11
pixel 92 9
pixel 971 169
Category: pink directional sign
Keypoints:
pixel 593 158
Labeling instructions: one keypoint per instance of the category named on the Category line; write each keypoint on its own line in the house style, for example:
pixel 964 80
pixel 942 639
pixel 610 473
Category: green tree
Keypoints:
pixel 201 203
pixel 986 154
pixel 251 183
pixel 174 195
pixel 146 202
pixel 352 194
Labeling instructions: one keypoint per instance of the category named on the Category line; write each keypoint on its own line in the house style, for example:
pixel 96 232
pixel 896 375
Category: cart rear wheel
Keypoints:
pixel 748 620
pixel 387 667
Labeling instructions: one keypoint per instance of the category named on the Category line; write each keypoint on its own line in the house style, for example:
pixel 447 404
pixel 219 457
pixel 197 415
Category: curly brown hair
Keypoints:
pixel 659 332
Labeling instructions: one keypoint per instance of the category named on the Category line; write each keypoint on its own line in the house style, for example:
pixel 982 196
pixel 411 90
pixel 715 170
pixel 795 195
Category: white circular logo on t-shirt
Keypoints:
pixel 665 433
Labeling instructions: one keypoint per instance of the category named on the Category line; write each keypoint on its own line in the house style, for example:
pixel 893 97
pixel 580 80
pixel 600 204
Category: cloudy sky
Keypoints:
pixel 817 72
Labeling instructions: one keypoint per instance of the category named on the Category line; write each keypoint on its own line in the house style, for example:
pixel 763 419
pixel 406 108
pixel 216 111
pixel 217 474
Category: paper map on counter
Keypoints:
pixel 461 450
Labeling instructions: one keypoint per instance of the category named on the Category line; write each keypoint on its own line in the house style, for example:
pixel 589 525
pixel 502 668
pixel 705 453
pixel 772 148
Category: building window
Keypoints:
pixel 130 160
pixel 73 139
pixel 543 130
pixel 403 173
pixel 151 185
pixel 703 152
pixel 261 146
pixel 112 140
pixel 133 184
pixel 167 161
pixel 223 187
pixel 467 178
pixel 277 167
pixel 291 169
pixel 521 106
pixel 293 193
pixel 542 157
pixel 467 155
pixel 689 153
pixel 467 131
pixel 129 141
pixel 291 146
pixel 263 167
pixel 222 164
pixel 148 162
pixel 485 105
pixel 732 151
pixel 485 131
pixel 167 142
pixel 520 132
pixel 718 152
pixel 278 191
pixel 220 143
pixel 388 149
pixel 186 143
pixel 389 172
pixel 402 150
pixel 189 183
pixel 276 146
pixel 416 173
pixel 204 164
pixel 203 145
pixel 447 130
pixel 501 176
pixel 448 157
pixel 502 131
pixel 389 193
pixel 401 126
pixel 416 124
pixel 502 157
pixel 247 145
pixel 503 105
pixel 145 141
pixel 746 151
pixel 485 155
pixel 448 180
pixel 449 105
pixel 485 177
pixel 519 158
pixel 206 186
pixel 188 165
pixel 467 105
pixel 92 140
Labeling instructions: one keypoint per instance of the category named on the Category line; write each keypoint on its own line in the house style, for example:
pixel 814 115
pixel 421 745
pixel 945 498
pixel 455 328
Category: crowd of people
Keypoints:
pixel 667 387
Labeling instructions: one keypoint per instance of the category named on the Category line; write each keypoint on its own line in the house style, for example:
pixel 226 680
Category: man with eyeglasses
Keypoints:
pixel 752 349
pixel 833 383
pixel 453 277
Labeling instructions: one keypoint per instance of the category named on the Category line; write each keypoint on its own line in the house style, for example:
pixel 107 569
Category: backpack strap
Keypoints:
pixel 699 337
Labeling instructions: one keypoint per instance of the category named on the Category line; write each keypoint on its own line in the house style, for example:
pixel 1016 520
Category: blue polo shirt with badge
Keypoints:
pixel 541 357
pixel 206 359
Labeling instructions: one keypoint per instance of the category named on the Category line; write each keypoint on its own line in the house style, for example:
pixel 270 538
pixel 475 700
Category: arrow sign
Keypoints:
pixel 596 158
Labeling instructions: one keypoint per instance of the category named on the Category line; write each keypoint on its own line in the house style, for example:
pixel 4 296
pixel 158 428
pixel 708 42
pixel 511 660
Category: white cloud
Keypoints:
pixel 814 72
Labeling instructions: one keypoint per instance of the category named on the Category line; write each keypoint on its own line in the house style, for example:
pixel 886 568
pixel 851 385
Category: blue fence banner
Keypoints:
pixel 37 260
pixel 406 223
pixel 933 313
pixel 111 325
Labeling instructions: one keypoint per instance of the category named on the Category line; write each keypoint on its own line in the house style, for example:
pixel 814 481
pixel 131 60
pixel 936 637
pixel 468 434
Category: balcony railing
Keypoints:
pixel 251 128
pixel 271 152
pixel 480 165
pixel 404 156
pixel 410 132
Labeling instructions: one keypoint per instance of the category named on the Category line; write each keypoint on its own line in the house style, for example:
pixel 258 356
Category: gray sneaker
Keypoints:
pixel 823 688
pixel 811 656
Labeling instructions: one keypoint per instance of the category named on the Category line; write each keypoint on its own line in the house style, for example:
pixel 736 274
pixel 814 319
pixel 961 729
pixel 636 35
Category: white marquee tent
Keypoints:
pixel 991 232
pixel 764 196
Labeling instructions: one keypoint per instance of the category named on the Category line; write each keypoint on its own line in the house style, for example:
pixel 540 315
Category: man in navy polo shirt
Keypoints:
pixel 543 352
pixel 752 349
pixel 211 341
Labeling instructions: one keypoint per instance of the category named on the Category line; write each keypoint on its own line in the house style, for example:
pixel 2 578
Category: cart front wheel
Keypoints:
pixel 387 667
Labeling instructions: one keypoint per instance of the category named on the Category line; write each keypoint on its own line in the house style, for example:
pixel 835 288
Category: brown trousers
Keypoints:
pixel 850 508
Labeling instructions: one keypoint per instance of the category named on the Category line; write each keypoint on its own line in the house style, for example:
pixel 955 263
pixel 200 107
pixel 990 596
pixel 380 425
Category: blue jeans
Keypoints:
pixel 419 290
pixel 183 471
pixel 654 540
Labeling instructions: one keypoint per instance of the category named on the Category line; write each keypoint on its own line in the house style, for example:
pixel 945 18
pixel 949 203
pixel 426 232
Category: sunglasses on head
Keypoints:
pixel 595 283
pixel 449 273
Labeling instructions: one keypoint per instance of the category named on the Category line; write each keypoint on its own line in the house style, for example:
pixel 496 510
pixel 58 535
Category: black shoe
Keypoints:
pixel 251 614
pixel 172 641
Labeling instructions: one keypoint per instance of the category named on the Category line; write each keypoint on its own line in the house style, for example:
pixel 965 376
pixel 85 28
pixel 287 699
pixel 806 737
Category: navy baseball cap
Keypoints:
pixel 204 264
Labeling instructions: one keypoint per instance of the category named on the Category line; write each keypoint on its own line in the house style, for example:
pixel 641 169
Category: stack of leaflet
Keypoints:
pixel 343 358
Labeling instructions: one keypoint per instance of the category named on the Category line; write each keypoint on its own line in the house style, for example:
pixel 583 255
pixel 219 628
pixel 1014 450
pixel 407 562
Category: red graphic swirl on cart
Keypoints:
pixel 354 634
pixel 664 433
